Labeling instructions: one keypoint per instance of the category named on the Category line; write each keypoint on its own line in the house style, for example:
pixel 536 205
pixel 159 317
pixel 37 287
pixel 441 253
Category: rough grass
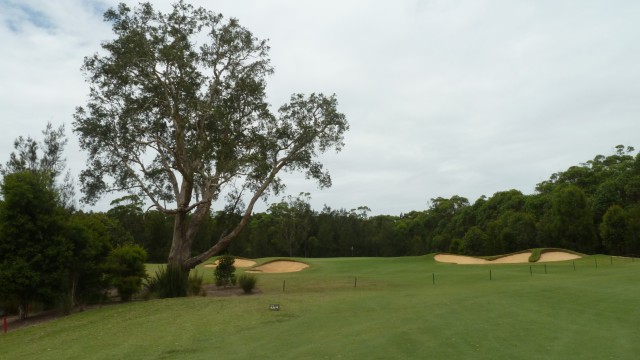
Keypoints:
pixel 393 311
pixel 535 255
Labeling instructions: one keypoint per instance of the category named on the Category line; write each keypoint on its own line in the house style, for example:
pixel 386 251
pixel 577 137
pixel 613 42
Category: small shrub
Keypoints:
pixel 169 282
pixel 125 269
pixel 247 282
pixel 225 271
pixel 194 285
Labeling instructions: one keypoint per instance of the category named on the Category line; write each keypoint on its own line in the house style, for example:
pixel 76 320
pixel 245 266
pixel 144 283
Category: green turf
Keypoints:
pixel 394 312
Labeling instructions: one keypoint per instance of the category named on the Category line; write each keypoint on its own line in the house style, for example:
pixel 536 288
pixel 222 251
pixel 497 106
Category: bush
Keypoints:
pixel 247 282
pixel 225 271
pixel 125 269
pixel 194 285
pixel 169 282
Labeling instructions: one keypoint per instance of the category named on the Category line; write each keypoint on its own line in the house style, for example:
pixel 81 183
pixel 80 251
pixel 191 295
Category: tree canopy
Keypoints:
pixel 33 249
pixel 177 113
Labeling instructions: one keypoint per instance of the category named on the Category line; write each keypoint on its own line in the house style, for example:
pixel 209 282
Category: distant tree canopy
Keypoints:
pixel 177 112
pixel 592 207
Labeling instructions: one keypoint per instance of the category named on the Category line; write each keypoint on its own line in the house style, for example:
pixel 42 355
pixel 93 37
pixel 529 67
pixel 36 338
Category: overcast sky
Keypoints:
pixel 443 97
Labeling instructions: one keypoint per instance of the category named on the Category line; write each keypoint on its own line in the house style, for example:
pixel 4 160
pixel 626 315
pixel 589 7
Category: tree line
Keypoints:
pixel 593 207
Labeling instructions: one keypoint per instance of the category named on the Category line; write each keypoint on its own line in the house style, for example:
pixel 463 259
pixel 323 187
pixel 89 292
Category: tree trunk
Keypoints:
pixel 225 239
pixel 184 231
pixel 180 244
pixel 22 310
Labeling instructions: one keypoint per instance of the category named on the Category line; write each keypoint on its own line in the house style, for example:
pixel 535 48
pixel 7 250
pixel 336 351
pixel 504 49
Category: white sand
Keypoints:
pixel 280 266
pixel 459 259
pixel 239 263
pixel 510 259
pixel 557 256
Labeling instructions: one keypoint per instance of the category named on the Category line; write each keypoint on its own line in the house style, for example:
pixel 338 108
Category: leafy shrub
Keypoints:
pixel 225 271
pixel 247 282
pixel 125 269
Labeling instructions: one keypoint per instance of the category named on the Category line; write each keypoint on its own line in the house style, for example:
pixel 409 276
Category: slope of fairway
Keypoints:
pixel 373 308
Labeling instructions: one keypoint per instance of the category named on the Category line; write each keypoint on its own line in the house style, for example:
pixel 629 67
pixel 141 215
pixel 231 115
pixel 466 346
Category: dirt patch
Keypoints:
pixel 557 256
pixel 40 317
pixel 15 323
pixel 239 263
pixel 280 266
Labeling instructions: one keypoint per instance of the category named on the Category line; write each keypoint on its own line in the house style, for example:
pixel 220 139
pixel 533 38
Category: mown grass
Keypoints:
pixel 394 311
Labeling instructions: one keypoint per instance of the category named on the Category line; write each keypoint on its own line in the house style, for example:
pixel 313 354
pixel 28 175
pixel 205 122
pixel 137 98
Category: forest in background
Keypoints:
pixel 593 207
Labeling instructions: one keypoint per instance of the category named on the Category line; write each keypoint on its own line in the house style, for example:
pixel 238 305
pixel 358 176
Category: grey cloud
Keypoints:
pixel 443 97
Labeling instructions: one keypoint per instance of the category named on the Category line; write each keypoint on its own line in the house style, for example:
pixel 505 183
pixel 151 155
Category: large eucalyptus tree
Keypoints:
pixel 177 113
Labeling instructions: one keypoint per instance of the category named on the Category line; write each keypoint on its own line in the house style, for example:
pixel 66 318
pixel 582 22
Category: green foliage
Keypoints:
pixel 125 269
pixel 514 231
pixel 45 158
pixel 33 250
pixel 91 238
pixel 194 285
pixel 571 223
pixel 291 219
pixel 247 282
pixel 473 242
pixel 152 229
pixel 614 230
pixel 225 271
pixel 170 281
pixel 535 255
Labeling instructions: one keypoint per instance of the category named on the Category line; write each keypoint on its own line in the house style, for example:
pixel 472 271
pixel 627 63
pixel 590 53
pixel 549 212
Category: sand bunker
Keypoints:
pixel 558 256
pixel 509 259
pixel 459 259
pixel 280 266
pixel 513 259
pixel 469 260
pixel 239 263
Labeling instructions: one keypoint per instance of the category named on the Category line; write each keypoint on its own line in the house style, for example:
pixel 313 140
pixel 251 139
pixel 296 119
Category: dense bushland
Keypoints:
pixel 50 253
